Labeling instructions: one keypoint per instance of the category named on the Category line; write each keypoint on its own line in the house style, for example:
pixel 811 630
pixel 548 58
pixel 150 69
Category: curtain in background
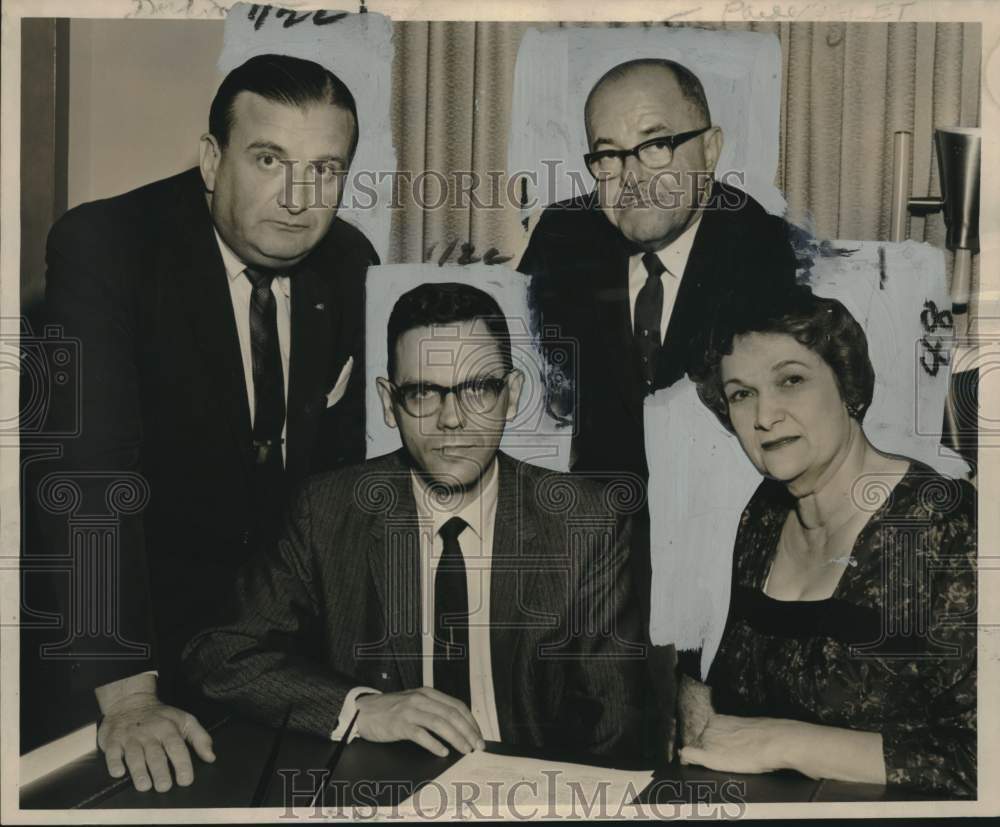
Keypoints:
pixel 452 88
pixel 846 88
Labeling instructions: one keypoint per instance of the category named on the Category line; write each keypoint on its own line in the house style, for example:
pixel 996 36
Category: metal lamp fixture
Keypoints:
pixel 959 156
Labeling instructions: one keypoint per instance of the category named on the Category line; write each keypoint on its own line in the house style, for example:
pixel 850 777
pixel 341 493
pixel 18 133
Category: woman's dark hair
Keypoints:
pixel 823 325
pixel 279 79
pixel 447 303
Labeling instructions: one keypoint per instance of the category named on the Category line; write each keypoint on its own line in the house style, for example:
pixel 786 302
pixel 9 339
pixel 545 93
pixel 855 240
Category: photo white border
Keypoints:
pixel 984 11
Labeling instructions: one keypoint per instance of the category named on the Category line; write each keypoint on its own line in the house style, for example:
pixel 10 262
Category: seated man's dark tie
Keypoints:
pixel 648 313
pixel 268 378
pixel 451 617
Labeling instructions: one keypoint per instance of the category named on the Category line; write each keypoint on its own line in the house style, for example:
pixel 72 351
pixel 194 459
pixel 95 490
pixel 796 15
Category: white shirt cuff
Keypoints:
pixel 109 694
pixel 347 713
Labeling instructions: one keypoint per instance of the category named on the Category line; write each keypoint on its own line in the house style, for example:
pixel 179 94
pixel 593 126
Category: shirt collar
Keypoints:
pixel 475 512
pixel 235 267
pixel 675 255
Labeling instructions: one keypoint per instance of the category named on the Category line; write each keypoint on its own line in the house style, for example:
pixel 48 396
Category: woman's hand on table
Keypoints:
pixel 754 745
pixel 729 743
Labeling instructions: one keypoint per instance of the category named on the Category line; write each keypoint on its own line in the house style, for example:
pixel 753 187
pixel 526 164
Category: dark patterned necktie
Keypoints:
pixel 451 617
pixel 268 379
pixel 648 313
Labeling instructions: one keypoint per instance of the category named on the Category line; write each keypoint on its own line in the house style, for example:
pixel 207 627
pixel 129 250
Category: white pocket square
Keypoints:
pixel 334 396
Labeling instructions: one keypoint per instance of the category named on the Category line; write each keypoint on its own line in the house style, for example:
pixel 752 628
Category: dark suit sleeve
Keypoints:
pixel 550 317
pixel 97 414
pixel 540 284
pixel 266 653
pixel 533 258
pixel 608 677
pixel 777 238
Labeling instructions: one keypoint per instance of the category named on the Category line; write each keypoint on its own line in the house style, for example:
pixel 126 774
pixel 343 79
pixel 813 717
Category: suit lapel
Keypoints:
pixel 688 310
pixel 614 316
pixel 394 560
pixel 310 354
pixel 513 542
pixel 199 277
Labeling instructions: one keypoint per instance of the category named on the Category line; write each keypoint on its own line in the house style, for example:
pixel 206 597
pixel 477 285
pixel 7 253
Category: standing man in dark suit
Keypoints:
pixel 446 593
pixel 633 270
pixel 220 320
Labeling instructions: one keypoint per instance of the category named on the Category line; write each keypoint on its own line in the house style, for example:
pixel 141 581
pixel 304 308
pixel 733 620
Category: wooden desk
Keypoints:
pixel 382 773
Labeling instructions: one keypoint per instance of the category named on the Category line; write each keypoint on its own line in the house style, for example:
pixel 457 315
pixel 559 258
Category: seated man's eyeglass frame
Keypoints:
pixel 656 153
pixel 475 396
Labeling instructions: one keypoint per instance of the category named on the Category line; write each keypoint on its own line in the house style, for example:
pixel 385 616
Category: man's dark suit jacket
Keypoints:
pixel 336 604
pixel 579 262
pixel 579 265
pixel 139 280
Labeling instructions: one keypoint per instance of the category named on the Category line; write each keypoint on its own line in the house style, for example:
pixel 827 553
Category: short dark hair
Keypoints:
pixel 823 325
pixel 279 79
pixel 691 88
pixel 447 303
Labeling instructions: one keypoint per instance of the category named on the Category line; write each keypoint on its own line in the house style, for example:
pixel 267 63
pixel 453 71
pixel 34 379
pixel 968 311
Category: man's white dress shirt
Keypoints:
pixel 240 292
pixel 674 257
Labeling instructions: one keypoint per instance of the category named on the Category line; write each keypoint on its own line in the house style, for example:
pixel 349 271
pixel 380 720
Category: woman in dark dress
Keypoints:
pixel 850 648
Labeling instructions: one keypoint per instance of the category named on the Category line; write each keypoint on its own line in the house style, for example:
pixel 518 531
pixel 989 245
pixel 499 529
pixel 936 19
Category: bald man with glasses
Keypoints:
pixel 633 270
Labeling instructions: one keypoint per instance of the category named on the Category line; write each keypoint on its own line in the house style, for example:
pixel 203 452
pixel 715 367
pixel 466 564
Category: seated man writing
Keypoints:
pixel 445 594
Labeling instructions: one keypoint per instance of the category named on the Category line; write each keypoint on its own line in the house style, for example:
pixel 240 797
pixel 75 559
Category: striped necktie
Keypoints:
pixel 268 378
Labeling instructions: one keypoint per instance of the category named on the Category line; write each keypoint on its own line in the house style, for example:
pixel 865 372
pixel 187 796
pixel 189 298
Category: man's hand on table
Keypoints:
pixel 419 715
pixel 141 733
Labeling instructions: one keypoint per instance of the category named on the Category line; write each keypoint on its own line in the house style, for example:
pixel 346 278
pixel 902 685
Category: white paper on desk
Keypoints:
pixel 500 784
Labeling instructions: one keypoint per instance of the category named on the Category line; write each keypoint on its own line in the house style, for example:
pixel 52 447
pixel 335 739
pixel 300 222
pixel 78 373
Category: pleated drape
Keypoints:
pixel 451 119
pixel 846 88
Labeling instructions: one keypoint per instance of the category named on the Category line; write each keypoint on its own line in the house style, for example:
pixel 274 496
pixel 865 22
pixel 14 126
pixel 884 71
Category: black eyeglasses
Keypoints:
pixel 656 153
pixel 476 396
